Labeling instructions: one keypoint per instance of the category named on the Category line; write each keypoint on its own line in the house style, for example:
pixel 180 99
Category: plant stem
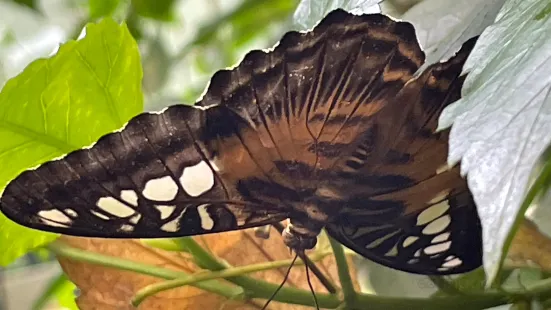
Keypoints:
pixel 255 288
pixel 203 276
pixel 444 286
pixel 213 286
pixel 344 274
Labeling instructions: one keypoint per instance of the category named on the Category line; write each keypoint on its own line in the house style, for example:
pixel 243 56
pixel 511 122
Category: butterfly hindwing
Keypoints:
pixel 152 179
pixel 407 209
pixel 429 228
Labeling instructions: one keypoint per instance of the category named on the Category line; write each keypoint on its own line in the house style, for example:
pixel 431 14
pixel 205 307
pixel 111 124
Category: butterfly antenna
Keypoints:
pixel 311 287
pixel 282 283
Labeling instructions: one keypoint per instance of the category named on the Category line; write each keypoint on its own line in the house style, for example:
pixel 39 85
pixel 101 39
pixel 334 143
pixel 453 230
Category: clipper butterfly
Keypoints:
pixel 331 129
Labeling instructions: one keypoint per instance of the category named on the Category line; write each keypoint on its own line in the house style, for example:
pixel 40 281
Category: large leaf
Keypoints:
pixel 502 124
pixel 442 26
pixel 310 12
pixel 60 104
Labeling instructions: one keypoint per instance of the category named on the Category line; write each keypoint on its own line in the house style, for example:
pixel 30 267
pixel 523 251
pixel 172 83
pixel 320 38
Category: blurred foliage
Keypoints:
pixel 29 3
pixel 60 288
pixel 162 10
pixel 101 8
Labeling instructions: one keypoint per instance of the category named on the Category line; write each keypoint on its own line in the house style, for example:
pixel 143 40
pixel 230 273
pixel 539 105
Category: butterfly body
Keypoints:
pixel 330 129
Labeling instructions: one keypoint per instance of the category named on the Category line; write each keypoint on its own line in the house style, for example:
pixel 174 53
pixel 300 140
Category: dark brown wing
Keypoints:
pixel 152 179
pixel 268 127
pixel 407 209
pixel 303 105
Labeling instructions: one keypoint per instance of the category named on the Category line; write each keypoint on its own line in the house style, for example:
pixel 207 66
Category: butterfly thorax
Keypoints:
pixel 306 222
pixel 301 235
pixel 309 211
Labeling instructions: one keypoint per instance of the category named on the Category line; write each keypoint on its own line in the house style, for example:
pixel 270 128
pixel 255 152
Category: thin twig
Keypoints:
pixel 206 275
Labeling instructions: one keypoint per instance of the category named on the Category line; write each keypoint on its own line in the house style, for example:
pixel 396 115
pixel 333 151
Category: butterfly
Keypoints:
pixel 331 129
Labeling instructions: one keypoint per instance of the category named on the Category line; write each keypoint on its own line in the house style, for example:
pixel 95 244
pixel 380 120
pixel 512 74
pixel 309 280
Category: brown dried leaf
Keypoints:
pixel 106 288
pixel 530 246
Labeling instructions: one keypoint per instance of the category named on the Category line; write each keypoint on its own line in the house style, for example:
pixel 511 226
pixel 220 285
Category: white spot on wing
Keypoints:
pixel 126 227
pixel 166 211
pixel 437 225
pixel 115 207
pixel 441 237
pixel 206 221
pixel 438 248
pixel 409 241
pixel 160 189
pixel 100 215
pixel 54 217
pixel 135 219
pixel 452 263
pixel 198 179
pixel 393 251
pixel 439 197
pixel 130 197
pixel 442 168
pixel 71 212
pixel 432 212
pixel 174 225
pixel 54 224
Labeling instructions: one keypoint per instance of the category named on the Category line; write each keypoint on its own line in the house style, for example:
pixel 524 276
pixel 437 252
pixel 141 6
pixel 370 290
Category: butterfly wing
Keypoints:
pixel 304 104
pixel 264 132
pixel 152 179
pixel 261 134
pixel 407 210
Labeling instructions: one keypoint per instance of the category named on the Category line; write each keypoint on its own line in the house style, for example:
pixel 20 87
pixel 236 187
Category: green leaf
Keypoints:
pixel 543 13
pixel 56 105
pixel 101 8
pixel 502 123
pixel 160 9
pixel 470 282
pixel 65 295
pixel 442 26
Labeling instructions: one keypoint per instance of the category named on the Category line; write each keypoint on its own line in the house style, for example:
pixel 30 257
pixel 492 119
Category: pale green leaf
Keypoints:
pixel 62 103
pixel 501 125
pixel 442 26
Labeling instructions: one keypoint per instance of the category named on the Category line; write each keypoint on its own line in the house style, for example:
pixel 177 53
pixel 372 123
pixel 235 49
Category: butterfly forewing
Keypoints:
pixel 152 179
pixel 330 128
